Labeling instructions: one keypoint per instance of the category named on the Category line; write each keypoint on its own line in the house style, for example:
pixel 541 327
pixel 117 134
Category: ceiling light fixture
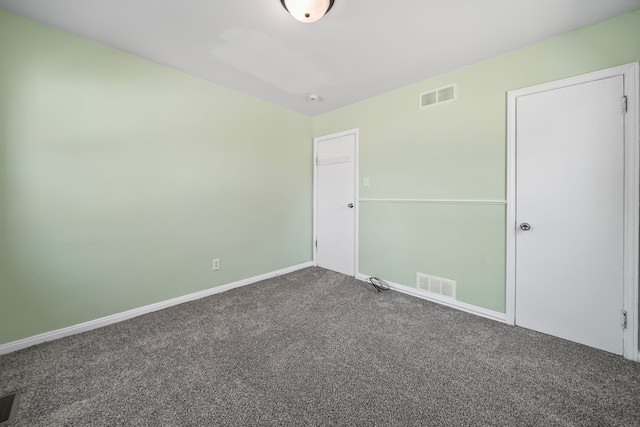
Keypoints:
pixel 307 11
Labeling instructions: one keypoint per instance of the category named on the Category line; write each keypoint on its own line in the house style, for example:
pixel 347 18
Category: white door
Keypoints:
pixel 336 202
pixel 570 213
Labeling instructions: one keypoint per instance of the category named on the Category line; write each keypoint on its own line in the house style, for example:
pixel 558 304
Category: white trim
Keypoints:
pixel 459 305
pixel 119 317
pixel 510 219
pixel 439 201
pixel 356 133
pixel 631 73
pixel 314 233
pixel 632 208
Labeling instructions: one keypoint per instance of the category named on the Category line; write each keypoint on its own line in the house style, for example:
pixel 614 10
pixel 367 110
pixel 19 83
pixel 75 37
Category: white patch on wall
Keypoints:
pixel 438 96
pixel 436 285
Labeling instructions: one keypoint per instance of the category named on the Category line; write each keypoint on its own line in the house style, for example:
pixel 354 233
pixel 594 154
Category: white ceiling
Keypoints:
pixel 361 48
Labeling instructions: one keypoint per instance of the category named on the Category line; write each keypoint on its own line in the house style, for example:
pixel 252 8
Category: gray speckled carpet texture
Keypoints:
pixel 317 348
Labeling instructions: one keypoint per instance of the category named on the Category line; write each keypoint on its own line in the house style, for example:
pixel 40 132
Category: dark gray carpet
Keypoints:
pixel 318 348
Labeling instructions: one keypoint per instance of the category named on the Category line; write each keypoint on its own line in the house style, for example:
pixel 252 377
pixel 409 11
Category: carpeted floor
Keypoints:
pixel 318 348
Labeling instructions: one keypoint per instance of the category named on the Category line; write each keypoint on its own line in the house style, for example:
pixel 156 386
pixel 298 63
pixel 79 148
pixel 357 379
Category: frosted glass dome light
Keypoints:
pixel 307 11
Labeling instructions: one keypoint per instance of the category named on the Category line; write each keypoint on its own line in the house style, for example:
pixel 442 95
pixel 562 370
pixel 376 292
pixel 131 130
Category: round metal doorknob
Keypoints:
pixel 525 226
pixel 350 205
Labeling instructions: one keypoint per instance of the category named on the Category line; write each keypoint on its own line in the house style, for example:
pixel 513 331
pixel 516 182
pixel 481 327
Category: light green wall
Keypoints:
pixel 458 151
pixel 121 180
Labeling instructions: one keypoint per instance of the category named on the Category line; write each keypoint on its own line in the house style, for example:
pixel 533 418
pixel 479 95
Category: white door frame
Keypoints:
pixel 631 181
pixel 356 203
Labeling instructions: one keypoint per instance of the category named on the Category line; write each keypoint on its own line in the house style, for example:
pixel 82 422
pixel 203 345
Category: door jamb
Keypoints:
pixel 356 132
pixel 632 203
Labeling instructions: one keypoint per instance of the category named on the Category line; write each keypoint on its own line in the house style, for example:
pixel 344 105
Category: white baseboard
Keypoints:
pixel 469 308
pixel 119 317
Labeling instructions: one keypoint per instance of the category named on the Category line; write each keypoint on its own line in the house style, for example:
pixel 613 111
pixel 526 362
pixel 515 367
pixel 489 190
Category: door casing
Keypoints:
pixel 631 74
pixel 316 141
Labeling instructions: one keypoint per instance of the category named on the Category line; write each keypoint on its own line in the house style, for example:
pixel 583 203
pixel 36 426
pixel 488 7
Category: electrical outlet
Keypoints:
pixel 365 181
pixel 216 264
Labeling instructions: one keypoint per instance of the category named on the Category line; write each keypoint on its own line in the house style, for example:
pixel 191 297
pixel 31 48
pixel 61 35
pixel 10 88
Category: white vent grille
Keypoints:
pixel 436 285
pixel 428 98
pixel 438 96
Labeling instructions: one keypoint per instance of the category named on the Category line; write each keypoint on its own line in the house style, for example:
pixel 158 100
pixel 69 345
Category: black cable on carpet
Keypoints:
pixel 379 284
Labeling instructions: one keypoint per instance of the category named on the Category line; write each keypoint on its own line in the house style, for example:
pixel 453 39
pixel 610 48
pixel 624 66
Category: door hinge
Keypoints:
pixel 625 105
pixel 624 319
pixel 316 244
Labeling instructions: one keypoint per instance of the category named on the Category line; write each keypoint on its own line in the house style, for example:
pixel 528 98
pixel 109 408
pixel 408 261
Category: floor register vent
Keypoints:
pixel 437 96
pixel 8 406
pixel 437 285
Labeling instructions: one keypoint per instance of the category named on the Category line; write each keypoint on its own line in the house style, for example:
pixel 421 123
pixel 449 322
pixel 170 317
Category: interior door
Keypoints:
pixel 335 215
pixel 570 213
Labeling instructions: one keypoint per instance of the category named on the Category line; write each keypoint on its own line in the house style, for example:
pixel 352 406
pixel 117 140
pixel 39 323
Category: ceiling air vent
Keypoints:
pixel 437 96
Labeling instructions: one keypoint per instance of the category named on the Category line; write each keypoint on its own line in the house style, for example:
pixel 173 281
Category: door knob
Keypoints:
pixel 350 205
pixel 525 226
